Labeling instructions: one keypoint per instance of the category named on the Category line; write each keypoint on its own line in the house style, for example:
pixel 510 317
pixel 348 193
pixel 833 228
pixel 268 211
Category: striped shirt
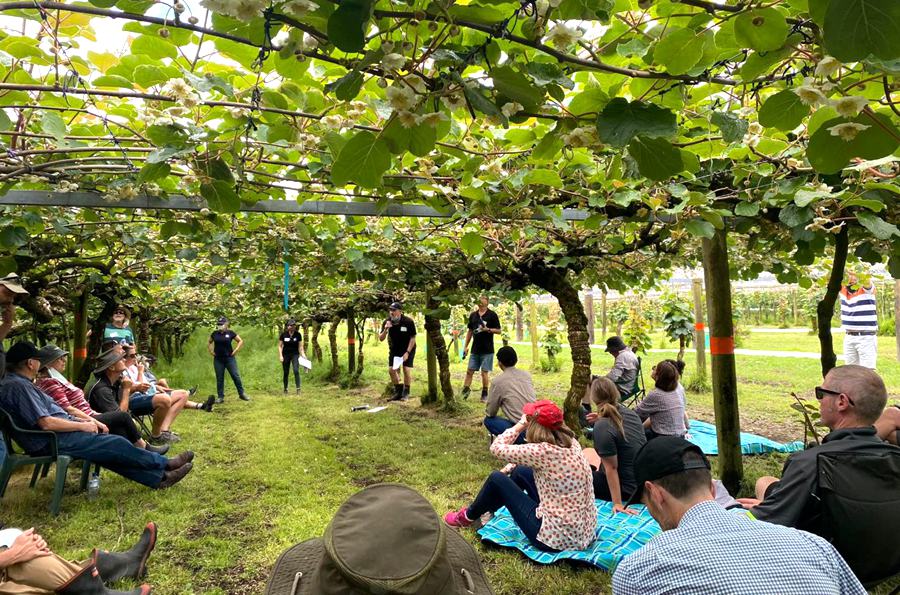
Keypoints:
pixel 858 313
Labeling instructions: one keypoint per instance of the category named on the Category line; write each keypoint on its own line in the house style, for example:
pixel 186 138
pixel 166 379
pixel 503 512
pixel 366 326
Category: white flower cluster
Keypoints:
pixel 152 189
pixel 357 109
pixel 242 10
pixel 408 119
pixel 182 92
pixel 827 66
pixel 401 97
pixel 393 61
pixel 848 131
pixel 123 192
pixel 848 107
pixel 334 122
pixel 562 35
pixel 239 113
pixel 580 137
pixel 427 166
pixel 454 102
pixel 299 8
pixel 511 109
pixel 65 186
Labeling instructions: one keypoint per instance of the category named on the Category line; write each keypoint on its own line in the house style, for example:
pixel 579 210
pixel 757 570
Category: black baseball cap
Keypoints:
pixel 222 320
pixel 22 351
pixel 661 457
pixel 396 306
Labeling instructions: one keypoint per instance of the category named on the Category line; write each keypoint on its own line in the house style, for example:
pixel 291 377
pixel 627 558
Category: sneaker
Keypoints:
pixel 244 398
pixel 465 392
pixel 208 405
pixel 158 440
pixel 484 397
pixel 192 392
pixel 160 450
pixel 220 400
pixel 457 519
pixel 170 437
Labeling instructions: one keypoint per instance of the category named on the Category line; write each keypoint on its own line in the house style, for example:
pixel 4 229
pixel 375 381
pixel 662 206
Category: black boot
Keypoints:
pixel 398 392
pixel 405 394
pixel 88 582
pixel 114 566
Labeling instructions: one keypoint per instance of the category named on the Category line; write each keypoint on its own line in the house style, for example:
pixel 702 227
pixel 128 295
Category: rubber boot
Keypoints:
pixel 114 566
pixel 398 392
pixel 88 582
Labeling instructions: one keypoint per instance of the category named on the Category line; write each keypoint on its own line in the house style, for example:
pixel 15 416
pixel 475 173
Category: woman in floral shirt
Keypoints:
pixel 556 510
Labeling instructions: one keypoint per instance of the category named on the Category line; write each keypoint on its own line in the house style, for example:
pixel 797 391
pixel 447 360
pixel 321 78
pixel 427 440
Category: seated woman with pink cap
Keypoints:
pixel 547 488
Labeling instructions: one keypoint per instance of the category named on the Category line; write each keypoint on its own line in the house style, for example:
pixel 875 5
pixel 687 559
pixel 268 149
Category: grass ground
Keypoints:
pixel 271 473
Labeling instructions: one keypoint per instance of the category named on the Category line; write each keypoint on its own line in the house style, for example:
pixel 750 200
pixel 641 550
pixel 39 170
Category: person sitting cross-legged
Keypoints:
pixel 52 381
pixel 509 392
pixel 707 549
pixel 663 410
pixel 28 566
pixel 556 510
pixel 31 409
pixel 113 392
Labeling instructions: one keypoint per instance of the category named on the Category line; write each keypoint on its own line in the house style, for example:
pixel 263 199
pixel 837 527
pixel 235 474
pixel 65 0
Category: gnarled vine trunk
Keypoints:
pixel 825 307
pixel 433 328
pixel 317 349
pixel 332 344
pixel 305 328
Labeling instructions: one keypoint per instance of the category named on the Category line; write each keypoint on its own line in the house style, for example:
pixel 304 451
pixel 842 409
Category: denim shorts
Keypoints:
pixel 481 361
pixel 141 404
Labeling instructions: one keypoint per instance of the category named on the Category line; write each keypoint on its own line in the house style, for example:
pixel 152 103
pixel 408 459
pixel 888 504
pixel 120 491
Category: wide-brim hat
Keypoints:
pixel 615 344
pixel 108 358
pixel 385 539
pixel 13 283
pixel 123 308
pixel 50 353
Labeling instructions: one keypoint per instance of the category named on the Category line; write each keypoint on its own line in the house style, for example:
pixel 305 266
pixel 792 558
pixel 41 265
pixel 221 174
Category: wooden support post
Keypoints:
pixel 533 330
pixel 431 361
pixel 897 315
pixel 724 375
pixel 699 329
pixel 520 324
pixel 589 312
pixel 603 319
pixel 351 342
pixel 79 352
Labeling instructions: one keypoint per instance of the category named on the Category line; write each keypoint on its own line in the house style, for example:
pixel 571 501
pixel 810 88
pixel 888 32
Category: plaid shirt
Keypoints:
pixel 715 551
pixel 665 410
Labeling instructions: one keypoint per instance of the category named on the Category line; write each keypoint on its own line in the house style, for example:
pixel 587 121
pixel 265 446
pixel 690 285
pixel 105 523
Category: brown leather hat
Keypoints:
pixel 386 539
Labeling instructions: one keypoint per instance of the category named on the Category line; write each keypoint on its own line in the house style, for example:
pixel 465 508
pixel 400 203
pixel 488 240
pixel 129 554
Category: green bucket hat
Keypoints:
pixel 385 540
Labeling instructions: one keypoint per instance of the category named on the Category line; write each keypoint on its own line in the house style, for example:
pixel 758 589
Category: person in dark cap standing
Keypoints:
pixel 707 549
pixel 400 331
pixel 10 288
pixel 222 348
pixel 290 348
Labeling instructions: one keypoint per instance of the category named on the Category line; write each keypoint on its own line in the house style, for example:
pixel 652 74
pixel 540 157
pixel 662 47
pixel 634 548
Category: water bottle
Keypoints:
pixel 358 408
pixel 93 487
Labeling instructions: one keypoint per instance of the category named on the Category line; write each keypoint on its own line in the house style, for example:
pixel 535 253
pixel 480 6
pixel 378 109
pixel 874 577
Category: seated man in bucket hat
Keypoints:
pixel 31 409
pixel 385 539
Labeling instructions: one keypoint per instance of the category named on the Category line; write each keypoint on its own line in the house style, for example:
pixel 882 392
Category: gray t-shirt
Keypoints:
pixel 510 391
pixel 608 442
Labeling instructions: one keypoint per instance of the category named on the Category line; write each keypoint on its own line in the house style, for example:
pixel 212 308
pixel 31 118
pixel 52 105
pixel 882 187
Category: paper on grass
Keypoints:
pixel 8 536
pixel 398 361
pixel 376 409
pixel 305 362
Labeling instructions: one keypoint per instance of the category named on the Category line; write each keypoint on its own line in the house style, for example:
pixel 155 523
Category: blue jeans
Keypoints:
pixel 291 360
pixel 497 425
pixel 227 363
pixel 116 454
pixel 501 490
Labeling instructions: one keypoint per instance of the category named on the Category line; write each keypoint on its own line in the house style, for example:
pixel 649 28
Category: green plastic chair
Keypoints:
pixel 637 391
pixel 15 459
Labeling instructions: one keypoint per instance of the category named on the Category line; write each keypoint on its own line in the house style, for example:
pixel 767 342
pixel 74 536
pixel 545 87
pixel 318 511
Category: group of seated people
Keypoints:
pixel 641 456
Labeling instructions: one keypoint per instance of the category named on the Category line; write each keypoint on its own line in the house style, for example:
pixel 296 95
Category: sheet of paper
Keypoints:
pixel 398 361
pixel 8 536
pixel 376 409
pixel 305 363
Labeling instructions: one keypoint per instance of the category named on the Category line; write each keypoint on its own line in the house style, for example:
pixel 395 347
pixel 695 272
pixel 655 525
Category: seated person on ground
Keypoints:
pixel 145 383
pixel 31 409
pixel 556 510
pixel 679 367
pixel 71 399
pixel 618 435
pixel 662 410
pixel 888 425
pixel 851 399
pixel 28 566
pixel 509 392
pixel 112 392
pixel 707 549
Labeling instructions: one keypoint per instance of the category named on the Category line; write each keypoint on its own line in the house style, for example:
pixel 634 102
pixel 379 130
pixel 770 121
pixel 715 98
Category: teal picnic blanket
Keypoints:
pixel 617 536
pixel 704 435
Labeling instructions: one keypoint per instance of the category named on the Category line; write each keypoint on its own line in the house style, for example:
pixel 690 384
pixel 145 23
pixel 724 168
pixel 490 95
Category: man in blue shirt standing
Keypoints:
pixel 707 549
pixel 31 409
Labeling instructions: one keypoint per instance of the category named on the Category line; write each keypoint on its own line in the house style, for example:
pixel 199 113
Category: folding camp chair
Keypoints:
pixel 637 392
pixel 15 459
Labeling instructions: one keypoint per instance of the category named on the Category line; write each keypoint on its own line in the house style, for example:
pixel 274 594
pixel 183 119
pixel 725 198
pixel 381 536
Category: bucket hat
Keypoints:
pixel 50 353
pixel 13 283
pixel 387 540
pixel 108 358
pixel 615 344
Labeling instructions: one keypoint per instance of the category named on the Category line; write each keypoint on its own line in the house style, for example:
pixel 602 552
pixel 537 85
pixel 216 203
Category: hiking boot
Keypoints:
pixel 243 397
pixel 208 405
pixel 179 461
pixel 170 436
pixel 89 582
pixel 457 519
pixel 465 392
pixel 170 478
pixel 398 392
pixel 160 450
pixel 220 400
pixel 114 566
pixel 159 440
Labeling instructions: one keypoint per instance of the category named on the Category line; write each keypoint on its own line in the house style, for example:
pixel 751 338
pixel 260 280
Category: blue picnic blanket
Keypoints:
pixel 704 435
pixel 617 536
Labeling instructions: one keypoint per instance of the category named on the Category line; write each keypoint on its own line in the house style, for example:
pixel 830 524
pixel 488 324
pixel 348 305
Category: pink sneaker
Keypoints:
pixel 457 519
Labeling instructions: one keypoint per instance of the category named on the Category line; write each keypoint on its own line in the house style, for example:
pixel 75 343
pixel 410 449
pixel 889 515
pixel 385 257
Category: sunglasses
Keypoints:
pixel 822 392
pixel 130 357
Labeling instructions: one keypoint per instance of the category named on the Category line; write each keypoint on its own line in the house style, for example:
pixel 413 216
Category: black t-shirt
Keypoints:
pixel 483 341
pixel 222 342
pixel 290 343
pixel 608 442
pixel 104 396
pixel 399 335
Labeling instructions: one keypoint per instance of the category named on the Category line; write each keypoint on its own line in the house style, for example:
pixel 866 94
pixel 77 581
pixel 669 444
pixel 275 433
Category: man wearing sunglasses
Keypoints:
pixel 851 399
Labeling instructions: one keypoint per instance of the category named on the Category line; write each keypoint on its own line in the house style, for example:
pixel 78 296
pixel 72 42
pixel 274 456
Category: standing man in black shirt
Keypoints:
pixel 400 332
pixel 483 325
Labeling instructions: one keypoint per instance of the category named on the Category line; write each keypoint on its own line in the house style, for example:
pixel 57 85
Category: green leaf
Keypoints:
pixel 621 121
pixel 347 27
pixel 544 73
pixel 515 86
pixel 7 265
pixel 363 160
pixel 13 236
pixel 545 177
pixel 700 228
pixel 347 87
pixel 214 167
pixel 53 124
pixel 879 228
pixel 657 158
pixel 679 51
pixel 153 171
pixel 733 128
pixel 154 46
pixel 764 29
pixel 856 28
pixel 589 101
pixel 830 154
pixel 113 80
pixel 472 244
pixel 546 148
pixel 5 122
pixel 220 196
pixel 784 111
pixel 422 138
pixel 147 75
pixel 479 101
